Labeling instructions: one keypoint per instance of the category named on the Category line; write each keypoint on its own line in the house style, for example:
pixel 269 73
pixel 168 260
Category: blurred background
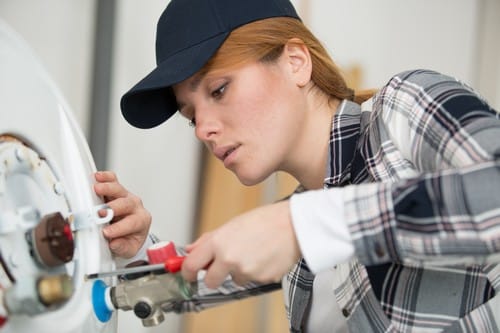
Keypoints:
pixel 96 50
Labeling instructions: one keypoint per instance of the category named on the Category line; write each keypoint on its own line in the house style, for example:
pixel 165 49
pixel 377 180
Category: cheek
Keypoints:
pixel 266 107
pixel 266 104
pixel 261 121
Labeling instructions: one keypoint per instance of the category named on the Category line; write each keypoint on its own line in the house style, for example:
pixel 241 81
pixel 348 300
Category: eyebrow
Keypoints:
pixel 196 81
pixel 193 86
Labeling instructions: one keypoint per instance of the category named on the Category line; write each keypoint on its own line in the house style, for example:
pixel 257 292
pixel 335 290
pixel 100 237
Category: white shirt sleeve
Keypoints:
pixel 320 228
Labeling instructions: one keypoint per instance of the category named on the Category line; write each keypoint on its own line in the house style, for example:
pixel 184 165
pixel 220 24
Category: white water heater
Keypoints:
pixel 50 231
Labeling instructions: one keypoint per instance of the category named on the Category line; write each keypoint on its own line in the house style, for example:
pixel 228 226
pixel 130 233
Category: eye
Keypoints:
pixel 219 92
pixel 192 122
pixel 189 116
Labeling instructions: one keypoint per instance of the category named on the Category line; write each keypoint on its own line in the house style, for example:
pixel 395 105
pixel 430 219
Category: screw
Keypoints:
pixel 58 188
pixel 20 155
pixel 13 260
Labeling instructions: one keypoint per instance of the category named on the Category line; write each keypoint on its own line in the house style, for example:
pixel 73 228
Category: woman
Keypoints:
pixel 398 222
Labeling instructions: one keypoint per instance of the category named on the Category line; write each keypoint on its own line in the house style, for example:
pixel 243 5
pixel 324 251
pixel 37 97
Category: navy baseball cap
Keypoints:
pixel 188 34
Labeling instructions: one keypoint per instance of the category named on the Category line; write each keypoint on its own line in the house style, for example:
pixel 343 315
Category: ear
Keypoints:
pixel 299 61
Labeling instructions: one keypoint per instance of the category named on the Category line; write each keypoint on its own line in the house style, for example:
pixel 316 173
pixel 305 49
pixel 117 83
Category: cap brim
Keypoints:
pixel 151 101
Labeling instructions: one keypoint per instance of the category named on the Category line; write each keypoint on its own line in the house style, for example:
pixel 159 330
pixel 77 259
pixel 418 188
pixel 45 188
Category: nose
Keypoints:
pixel 207 125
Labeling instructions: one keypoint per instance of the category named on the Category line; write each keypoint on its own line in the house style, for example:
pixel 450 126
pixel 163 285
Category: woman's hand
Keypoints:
pixel 258 246
pixel 130 225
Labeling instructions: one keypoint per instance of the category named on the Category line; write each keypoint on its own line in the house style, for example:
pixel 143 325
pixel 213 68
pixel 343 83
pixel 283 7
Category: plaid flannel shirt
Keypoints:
pixel 420 173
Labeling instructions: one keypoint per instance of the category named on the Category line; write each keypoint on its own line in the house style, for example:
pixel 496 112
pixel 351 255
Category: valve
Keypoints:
pixel 144 295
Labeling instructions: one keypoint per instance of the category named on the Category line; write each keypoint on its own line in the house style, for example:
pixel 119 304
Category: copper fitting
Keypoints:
pixel 54 289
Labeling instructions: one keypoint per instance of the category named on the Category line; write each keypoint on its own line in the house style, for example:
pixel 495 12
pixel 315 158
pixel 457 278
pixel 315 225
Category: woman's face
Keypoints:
pixel 250 117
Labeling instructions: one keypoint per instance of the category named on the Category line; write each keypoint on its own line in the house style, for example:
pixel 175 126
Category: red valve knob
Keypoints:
pixel 174 264
pixel 159 253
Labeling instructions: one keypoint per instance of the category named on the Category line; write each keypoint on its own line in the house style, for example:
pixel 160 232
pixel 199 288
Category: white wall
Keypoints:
pixel 61 34
pixel 488 56
pixel 389 36
pixel 456 37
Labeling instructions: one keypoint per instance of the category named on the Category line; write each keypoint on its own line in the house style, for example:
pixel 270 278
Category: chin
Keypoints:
pixel 250 179
pixel 247 181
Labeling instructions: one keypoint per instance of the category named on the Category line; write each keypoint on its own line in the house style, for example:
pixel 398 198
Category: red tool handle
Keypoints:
pixel 159 252
pixel 174 263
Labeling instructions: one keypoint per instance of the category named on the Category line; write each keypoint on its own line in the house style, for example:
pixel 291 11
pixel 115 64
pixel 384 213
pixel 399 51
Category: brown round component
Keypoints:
pixel 53 242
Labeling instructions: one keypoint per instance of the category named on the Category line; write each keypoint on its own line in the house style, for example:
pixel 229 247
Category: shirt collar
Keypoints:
pixel 344 137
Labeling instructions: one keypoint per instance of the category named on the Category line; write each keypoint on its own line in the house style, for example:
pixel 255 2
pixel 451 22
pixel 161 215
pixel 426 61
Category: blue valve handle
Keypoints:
pixel 101 309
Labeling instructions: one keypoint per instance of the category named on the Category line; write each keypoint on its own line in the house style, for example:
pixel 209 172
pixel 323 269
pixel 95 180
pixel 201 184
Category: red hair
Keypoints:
pixel 264 40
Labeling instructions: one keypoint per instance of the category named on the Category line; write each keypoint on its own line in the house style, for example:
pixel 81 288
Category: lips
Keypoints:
pixel 227 153
pixel 223 152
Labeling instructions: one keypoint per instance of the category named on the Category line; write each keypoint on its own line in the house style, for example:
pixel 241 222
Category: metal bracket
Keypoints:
pixel 87 219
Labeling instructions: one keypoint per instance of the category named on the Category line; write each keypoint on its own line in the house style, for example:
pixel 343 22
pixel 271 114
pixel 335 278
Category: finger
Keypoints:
pixel 192 246
pixel 105 176
pixel 110 190
pixel 122 248
pixel 195 261
pixel 129 225
pixel 116 245
pixel 239 279
pixel 103 212
pixel 120 207
pixel 216 274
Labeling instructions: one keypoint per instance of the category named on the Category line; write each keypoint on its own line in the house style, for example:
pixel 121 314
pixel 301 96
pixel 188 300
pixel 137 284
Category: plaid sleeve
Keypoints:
pixel 451 212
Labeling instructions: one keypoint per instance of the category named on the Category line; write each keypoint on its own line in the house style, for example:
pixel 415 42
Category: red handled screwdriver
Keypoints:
pixel 171 265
